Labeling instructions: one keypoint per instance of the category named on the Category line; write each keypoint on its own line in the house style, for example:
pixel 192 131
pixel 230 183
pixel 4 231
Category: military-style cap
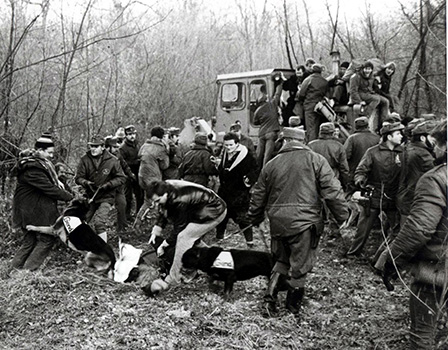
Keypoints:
pixel 201 138
pixel 235 127
pixel 130 129
pixel 96 140
pixel 111 141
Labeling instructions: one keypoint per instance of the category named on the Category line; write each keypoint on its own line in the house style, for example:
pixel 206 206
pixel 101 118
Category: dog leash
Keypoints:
pixel 260 231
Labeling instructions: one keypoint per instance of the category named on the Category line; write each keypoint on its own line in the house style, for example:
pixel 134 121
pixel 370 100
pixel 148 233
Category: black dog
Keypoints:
pixel 79 236
pixel 247 264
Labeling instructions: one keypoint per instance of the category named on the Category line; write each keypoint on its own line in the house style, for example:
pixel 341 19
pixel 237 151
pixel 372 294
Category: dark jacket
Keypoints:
pixel 154 159
pixel 381 84
pixel 189 202
pixel 37 192
pixel 360 84
pixel 267 114
pixel 313 90
pixel 129 151
pixel 236 176
pixel 175 155
pixel 197 166
pixel 333 151
pixel 417 160
pixel 102 170
pixel 356 146
pixel 424 236
pixel 291 188
pixel 380 167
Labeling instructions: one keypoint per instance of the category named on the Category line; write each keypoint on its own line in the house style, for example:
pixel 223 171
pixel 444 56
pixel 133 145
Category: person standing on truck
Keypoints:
pixel 314 89
pixel 267 117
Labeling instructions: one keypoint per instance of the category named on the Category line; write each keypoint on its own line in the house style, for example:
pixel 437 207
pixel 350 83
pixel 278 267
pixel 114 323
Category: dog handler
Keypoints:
pixel 35 202
pixel 291 188
pixel 193 210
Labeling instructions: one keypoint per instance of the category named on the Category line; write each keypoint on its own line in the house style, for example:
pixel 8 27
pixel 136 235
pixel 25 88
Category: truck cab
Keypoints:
pixel 238 95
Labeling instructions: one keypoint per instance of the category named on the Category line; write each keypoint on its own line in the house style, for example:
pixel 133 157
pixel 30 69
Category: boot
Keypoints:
pixel 294 299
pixel 270 299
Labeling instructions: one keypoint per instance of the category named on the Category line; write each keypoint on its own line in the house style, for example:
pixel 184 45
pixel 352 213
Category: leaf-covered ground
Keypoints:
pixel 68 306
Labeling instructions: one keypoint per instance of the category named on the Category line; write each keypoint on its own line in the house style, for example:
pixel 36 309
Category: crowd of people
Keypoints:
pixel 300 176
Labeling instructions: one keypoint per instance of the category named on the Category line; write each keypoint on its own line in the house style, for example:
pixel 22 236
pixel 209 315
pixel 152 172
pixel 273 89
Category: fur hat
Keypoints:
pixel 294 133
pixel 120 133
pixel 201 138
pixel 345 64
pixel 294 121
pixel 44 141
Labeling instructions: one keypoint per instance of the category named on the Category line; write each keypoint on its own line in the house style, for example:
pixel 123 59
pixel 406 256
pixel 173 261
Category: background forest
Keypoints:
pixel 88 67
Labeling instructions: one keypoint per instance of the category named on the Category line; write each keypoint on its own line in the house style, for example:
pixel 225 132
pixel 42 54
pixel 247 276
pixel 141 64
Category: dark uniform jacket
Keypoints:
pixel 129 151
pixel 356 146
pixel 37 192
pixel 380 167
pixel 102 170
pixel 291 187
pixel 197 166
pixel 417 160
pixel 424 236
pixel 333 151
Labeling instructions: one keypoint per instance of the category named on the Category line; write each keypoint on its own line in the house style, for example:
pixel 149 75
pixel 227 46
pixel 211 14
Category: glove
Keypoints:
pixel 161 248
pixel 389 273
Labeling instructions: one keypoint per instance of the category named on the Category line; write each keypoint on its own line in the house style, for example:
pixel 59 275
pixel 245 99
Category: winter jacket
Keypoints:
pixel 197 166
pixel 313 90
pixel 129 151
pixel 102 170
pixel 154 159
pixel 37 192
pixel 175 155
pixel 291 188
pixel 356 146
pixel 189 202
pixel 267 114
pixel 381 84
pixel 424 236
pixel 359 83
pixel 236 176
pixel 380 167
pixel 333 151
pixel 417 160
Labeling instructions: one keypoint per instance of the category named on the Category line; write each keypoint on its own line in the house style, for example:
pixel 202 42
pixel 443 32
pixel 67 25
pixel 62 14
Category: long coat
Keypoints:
pixel 37 193
pixel 291 188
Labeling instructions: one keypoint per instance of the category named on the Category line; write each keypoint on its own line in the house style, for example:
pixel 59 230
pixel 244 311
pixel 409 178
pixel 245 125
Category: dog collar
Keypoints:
pixel 224 261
